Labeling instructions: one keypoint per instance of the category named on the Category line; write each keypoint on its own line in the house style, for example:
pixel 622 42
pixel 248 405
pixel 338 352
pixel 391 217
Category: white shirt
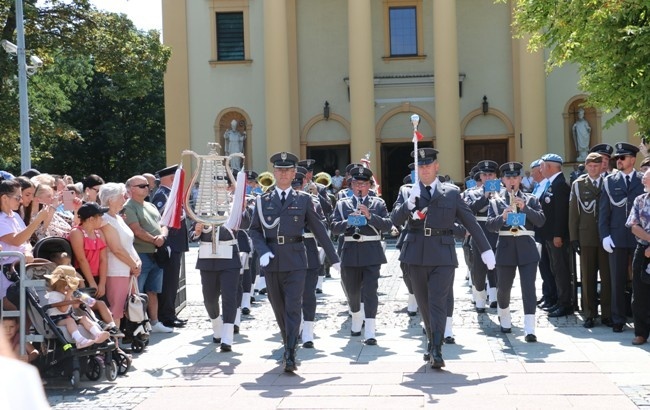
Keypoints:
pixel 115 266
pixel 12 224
pixel 286 191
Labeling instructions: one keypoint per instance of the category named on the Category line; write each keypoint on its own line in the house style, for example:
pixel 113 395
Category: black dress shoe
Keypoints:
pixel 449 340
pixel 530 338
pixel 236 330
pixel 173 323
pixel 245 311
pixel 184 321
pixel 505 329
pixel 328 274
pixel 541 301
pixel 480 310
pixel 352 333
pixel 371 341
pixel 606 321
pixel 308 345
pixel 411 313
pixel 617 327
pixel 226 347
pixel 216 339
pixel 560 312
pixel 319 291
pixel 589 323
pixel 549 307
pixel 494 305
pixel 426 357
pixel 263 291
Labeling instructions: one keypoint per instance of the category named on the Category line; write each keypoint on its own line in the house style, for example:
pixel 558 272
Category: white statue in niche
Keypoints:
pixel 234 144
pixel 581 136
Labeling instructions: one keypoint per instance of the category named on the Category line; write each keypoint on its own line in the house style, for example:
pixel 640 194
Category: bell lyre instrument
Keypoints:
pixel 513 208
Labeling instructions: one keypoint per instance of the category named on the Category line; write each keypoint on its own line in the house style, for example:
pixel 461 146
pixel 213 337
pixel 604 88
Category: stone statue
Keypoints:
pixel 234 144
pixel 581 136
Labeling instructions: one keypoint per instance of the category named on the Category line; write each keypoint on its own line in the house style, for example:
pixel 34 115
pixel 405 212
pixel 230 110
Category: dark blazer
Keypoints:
pixel 612 218
pixel 515 250
pixel 478 204
pixel 355 253
pixel 555 204
pixel 288 220
pixel 444 207
pixel 583 211
pixel 313 261
pixel 177 239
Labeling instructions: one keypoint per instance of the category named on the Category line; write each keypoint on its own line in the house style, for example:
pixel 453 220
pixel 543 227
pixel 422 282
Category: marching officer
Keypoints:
pixel 362 254
pixel 429 247
pixel 583 231
pixel 478 201
pixel 516 247
pixel 411 304
pixel 619 191
pixel 280 216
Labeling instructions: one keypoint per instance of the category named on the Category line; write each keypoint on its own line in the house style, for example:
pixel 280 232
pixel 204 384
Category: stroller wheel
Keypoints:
pixel 123 363
pixel 74 379
pixel 94 368
pixel 137 346
pixel 112 370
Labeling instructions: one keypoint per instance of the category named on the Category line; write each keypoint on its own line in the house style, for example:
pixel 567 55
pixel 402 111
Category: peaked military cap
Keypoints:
pixel 603 149
pixel 425 156
pixel 350 166
pixel 170 170
pixel 360 173
pixel 550 157
pixel 625 148
pixel 307 163
pixel 487 166
pixel 251 175
pixel 511 169
pixel 284 160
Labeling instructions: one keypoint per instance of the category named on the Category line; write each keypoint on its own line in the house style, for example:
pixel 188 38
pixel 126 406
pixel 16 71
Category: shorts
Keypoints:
pixel 117 290
pixel 151 276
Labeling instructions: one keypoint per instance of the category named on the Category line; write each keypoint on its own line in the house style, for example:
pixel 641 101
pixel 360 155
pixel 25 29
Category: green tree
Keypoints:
pixel 608 40
pixel 90 57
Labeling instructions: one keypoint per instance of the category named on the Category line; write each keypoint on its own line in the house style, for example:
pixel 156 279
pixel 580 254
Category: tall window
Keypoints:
pixel 403 31
pixel 230 36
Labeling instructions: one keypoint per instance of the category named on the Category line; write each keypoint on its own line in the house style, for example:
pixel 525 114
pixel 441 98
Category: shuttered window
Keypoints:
pixel 230 36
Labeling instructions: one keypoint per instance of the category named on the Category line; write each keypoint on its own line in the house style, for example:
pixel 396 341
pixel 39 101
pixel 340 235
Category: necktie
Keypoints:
pixel 627 181
pixel 594 183
pixel 429 189
pixel 284 197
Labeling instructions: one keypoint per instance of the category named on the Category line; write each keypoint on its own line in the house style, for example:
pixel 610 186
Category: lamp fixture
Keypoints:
pixel 485 106
pixel 326 110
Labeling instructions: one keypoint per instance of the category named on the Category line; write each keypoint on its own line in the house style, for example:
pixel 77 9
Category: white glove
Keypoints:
pixel 266 259
pixel 608 244
pixel 337 266
pixel 488 259
pixel 413 196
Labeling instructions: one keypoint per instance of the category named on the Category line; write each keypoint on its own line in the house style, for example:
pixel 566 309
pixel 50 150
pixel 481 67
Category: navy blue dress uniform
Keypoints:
pixel 362 254
pixel 478 203
pixel 583 231
pixel 429 248
pixel 555 204
pixel 616 201
pixel 277 232
pixel 516 249
pixel 178 242
pixel 411 305
pixel 314 266
pixel 220 278
pixel 321 189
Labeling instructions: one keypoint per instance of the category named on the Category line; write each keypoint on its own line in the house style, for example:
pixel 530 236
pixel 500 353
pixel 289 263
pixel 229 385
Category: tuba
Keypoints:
pixel 323 178
pixel 213 171
pixel 266 179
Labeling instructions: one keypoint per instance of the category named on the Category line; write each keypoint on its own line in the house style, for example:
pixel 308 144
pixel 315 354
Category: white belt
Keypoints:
pixel 225 243
pixel 308 235
pixel 520 232
pixel 363 238
pixel 481 218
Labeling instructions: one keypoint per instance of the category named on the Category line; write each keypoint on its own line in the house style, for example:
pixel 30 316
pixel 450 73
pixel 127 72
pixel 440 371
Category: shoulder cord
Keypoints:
pixel 590 209
pixel 275 224
pixel 619 204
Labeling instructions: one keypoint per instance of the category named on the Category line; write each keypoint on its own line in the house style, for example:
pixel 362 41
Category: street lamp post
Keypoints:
pixel 25 150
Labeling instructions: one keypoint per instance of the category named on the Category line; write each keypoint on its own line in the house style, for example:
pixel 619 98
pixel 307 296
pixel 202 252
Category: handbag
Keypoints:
pixel 162 256
pixel 136 306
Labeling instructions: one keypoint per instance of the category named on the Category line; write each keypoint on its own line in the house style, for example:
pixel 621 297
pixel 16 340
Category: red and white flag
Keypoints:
pixel 171 216
pixel 417 136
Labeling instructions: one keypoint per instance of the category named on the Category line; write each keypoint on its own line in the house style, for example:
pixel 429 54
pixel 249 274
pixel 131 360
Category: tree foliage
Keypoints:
pixel 96 105
pixel 608 40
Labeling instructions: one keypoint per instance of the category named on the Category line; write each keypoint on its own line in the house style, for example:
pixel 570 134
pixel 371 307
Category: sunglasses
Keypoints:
pixel 142 186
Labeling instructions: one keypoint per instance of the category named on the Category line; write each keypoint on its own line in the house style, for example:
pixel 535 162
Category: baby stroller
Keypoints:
pixel 59 354
pixel 135 324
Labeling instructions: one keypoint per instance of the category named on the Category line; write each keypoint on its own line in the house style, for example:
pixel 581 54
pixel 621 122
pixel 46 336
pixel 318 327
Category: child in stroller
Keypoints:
pixel 63 283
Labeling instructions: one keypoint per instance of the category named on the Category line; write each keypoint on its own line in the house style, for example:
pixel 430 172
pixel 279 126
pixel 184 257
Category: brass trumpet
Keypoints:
pixel 323 178
pixel 266 180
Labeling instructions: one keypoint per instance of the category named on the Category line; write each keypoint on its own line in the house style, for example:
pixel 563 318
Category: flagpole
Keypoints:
pixel 415 120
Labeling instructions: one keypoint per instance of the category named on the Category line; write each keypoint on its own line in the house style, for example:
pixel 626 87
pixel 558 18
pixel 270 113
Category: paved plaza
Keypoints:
pixel 570 366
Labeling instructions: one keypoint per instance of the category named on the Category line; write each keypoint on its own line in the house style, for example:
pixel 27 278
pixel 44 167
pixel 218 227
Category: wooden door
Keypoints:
pixel 476 151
